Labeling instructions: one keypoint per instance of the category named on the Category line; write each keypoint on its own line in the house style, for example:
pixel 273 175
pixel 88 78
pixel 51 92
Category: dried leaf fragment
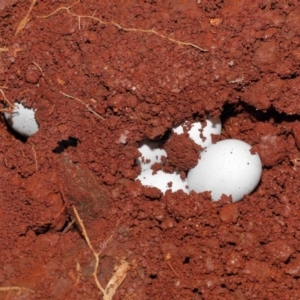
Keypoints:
pixel 116 280
pixel 60 81
pixel 215 22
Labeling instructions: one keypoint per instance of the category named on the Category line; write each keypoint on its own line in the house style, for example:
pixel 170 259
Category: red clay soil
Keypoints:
pixel 103 75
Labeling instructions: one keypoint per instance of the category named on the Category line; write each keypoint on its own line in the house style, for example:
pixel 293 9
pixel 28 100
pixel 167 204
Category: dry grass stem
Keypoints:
pixel 26 18
pixel 78 270
pixel 35 158
pixel 16 51
pixel 15 288
pixel 4 49
pixel 128 29
pixel 120 273
pixel 167 259
pixel 85 104
pixel 39 68
pixel 70 224
pixel 11 106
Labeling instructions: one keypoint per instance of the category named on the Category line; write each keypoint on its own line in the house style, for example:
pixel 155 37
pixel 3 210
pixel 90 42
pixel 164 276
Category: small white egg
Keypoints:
pixel 162 180
pixel 151 154
pixel 213 126
pixel 227 167
pixel 22 120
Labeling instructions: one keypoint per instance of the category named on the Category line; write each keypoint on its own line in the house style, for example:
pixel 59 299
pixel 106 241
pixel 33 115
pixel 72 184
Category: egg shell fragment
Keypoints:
pixel 213 126
pixel 151 154
pixel 227 167
pixel 161 180
pixel 22 120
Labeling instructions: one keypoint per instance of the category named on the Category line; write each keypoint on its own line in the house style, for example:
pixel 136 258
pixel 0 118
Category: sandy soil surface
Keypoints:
pixel 103 75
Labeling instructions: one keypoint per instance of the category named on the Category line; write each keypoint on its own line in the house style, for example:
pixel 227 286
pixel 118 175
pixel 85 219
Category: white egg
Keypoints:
pixel 162 181
pixel 151 154
pixel 213 126
pixel 227 167
pixel 22 120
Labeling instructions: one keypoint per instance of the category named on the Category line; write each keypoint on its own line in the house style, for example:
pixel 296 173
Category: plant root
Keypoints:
pixel 120 27
pixel 120 272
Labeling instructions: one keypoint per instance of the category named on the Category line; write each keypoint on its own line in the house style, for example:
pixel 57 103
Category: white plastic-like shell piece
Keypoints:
pixel 227 167
pixel 213 126
pixel 22 120
pixel 162 180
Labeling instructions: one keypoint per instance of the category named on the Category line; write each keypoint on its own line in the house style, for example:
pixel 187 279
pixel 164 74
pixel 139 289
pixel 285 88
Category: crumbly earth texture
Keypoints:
pixel 103 75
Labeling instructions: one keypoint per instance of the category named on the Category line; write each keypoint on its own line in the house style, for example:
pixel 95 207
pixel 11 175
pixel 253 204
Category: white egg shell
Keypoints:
pixel 161 181
pixel 227 167
pixel 151 154
pixel 22 120
pixel 213 126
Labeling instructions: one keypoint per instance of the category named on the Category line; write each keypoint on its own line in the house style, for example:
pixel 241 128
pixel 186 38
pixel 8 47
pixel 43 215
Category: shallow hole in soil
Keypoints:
pixel 186 260
pixel 64 144
pixel 196 291
pixel 17 135
pixel 153 276
pixel 233 110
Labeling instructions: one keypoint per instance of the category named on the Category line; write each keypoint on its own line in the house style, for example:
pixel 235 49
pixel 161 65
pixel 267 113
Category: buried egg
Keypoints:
pixel 199 134
pixel 227 167
pixel 22 120
pixel 150 154
pixel 163 181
